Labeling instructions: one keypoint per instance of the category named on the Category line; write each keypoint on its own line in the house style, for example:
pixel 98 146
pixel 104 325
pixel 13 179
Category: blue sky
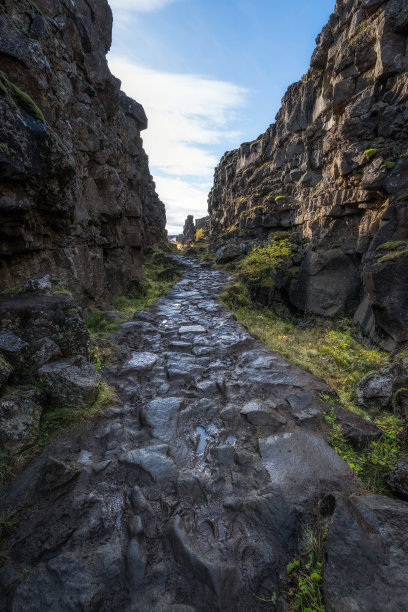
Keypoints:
pixel 210 74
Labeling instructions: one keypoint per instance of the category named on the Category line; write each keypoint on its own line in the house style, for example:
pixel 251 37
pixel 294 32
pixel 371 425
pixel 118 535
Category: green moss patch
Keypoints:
pixel 23 99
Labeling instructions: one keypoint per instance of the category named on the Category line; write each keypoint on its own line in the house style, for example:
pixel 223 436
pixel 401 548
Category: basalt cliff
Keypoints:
pixel 332 172
pixel 76 196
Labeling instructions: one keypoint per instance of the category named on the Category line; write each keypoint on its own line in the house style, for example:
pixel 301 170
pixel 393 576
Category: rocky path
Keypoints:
pixel 195 491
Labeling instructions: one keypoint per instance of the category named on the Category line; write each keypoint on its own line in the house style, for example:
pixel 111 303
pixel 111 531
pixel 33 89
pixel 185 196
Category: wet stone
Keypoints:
pixel 304 407
pixel 154 461
pixel 161 415
pixel 192 329
pixel 258 413
pixel 139 362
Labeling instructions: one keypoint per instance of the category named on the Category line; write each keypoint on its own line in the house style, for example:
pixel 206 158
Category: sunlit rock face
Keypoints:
pixel 76 196
pixel 333 170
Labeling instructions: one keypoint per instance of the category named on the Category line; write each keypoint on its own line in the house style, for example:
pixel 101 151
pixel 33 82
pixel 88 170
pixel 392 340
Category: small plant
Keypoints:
pixel 388 164
pixel 305 574
pixel 199 235
pixel 371 153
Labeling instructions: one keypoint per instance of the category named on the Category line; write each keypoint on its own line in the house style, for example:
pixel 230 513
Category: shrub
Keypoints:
pixel 236 296
pixel 260 264
pixel 199 234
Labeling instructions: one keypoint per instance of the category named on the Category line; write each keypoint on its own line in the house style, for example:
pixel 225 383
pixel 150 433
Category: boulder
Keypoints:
pixel 154 461
pixel 358 431
pixel 365 553
pixel 397 480
pixel 12 346
pixel 258 413
pixel 60 584
pixel 19 420
pixel 35 317
pixel 230 251
pixel 377 389
pixel 70 382
pixel 140 362
pixel 55 474
pixel 161 415
pixel 45 350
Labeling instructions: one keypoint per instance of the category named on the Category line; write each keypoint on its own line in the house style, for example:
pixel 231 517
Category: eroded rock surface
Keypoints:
pixel 76 196
pixel 332 172
pixel 194 492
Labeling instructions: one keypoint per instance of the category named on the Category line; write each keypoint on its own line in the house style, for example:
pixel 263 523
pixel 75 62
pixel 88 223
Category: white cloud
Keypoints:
pixel 182 199
pixel 189 117
pixel 139 6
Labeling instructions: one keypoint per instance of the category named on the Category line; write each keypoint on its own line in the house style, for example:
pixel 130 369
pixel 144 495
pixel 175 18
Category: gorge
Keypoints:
pixel 158 450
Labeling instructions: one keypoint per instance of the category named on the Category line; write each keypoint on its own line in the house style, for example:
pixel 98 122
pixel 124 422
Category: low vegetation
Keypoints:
pixel 24 100
pixel 263 261
pixel 334 351
pixel 305 575
pixel 159 275
pixel 389 251
pixel 379 457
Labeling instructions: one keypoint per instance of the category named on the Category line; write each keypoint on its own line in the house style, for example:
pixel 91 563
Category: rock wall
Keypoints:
pixel 76 196
pixel 333 170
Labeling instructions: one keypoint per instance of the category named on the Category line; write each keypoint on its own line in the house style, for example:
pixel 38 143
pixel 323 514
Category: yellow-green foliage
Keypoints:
pixel 330 350
pixel 199 234
pixel 393 255
pixel 25 101
pixel 260 264
pixel 357 32
pixel 388 164
pixel 371 153
pixel 395 248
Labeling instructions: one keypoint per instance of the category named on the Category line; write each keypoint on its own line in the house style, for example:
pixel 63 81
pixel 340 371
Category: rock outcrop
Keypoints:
pixel 333 171
pixel 76 196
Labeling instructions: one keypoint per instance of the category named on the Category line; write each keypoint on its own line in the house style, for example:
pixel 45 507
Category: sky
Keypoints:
pixel 210 74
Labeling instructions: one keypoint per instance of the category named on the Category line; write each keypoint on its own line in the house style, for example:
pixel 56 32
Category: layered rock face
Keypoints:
pixel 333 170
pixel 76 196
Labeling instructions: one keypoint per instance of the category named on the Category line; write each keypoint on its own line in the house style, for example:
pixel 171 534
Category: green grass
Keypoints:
pixel 378 458
pixel 54 422
pixel 305 575
pixel 395 248
pixel 333 351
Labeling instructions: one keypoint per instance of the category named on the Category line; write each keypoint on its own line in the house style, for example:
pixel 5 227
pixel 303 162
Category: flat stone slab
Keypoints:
pixel 192 329
pixel 162 415
pixel 366 553
pixel 139 362
pixel 260 414
pixel 298 461
pixel 152 460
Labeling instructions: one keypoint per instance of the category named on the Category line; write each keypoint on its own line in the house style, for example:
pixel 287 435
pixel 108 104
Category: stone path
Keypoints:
pixel 170 503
